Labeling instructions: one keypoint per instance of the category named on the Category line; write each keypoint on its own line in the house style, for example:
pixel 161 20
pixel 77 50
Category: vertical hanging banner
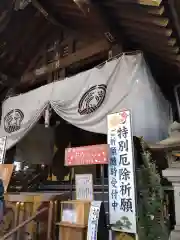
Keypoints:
pixel 97 227
pixel 122 199
pixel 93 220
pixel 2 149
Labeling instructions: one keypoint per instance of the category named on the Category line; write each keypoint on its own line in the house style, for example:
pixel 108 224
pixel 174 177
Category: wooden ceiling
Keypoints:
pixel 149 25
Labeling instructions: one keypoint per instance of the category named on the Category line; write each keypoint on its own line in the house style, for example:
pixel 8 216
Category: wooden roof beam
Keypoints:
pixel 165 54
pixel 56 22
pixel 155 3
pixel 46 14
pixel 80 55
pixel 83 5
pixel 8 81
pixel 92 10
pixel 147 28
pixel 157 46
pixel 155 39
pixel 157 11
pixel 162 41
pixel 150 2
pixel 143 18
pixel 109 21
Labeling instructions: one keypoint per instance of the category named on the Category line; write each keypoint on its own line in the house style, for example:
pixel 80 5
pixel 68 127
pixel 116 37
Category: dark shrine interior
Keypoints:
pixel 35 30
pixel 66 133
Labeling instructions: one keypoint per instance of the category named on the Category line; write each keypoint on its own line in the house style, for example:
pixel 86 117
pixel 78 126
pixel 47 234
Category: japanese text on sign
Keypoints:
pixel 87 155
pixel 93 220
pixel 84 186
pixel 121 173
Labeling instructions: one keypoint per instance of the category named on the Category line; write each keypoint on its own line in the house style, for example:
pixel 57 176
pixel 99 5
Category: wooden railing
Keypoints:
pixel 21 225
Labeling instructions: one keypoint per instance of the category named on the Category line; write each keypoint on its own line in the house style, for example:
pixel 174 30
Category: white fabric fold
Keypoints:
pixel 24 111
pixel 86 99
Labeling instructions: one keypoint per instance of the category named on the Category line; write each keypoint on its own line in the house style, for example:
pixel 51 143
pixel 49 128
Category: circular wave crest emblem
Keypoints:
pixel 92 99
pixel 13 120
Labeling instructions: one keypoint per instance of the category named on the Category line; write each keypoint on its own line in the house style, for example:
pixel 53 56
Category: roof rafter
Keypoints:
pixel 56 22
pixel 80 55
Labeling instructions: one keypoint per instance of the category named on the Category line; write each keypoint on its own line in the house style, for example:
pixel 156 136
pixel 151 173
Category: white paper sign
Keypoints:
pixel 2 149
pixel 122 200
pixel 69 215
pixel 93 220
pixel 84 186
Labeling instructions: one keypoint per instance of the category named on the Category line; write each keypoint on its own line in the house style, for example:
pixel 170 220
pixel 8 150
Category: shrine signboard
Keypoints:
pixel 122 200
pixel 84 186
pixel 87 155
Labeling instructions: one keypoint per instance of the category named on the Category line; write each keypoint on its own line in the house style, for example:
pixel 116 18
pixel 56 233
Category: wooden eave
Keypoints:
pixel 148 25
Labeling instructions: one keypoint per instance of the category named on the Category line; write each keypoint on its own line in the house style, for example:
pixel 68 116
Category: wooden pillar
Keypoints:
pixel 50 220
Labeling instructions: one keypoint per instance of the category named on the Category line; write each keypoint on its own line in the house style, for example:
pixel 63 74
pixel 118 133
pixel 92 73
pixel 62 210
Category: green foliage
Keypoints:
pixel 123 222
pixel 152 223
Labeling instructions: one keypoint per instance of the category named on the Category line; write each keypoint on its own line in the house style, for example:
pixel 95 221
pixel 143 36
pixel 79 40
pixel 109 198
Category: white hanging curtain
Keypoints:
pixel 86 99
pixel 20 113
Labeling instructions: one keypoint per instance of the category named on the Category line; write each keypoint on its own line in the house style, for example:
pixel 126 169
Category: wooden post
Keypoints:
pixel 6 236
pixel 50 220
